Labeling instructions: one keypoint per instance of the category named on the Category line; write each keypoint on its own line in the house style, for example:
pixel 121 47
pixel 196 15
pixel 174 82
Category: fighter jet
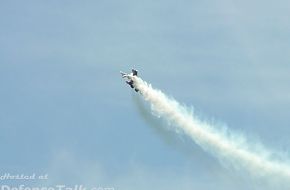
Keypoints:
pixel 130 81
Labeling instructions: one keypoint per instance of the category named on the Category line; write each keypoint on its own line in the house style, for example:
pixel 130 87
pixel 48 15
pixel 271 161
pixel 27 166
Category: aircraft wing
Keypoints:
pixel 135 72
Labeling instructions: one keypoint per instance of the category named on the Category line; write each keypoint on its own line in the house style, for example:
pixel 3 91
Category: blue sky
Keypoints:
pixel 65 111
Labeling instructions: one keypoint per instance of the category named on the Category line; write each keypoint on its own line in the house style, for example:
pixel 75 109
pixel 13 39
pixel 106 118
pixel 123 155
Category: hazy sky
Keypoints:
pixel 65 111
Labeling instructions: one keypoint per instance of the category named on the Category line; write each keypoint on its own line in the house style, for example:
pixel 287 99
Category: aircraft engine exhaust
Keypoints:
pixel 227 147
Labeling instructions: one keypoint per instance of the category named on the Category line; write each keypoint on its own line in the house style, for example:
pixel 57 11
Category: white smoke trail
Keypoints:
pixel 226 147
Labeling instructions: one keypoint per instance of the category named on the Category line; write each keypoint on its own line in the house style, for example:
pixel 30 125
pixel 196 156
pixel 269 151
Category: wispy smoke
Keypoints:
pixel 232 149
